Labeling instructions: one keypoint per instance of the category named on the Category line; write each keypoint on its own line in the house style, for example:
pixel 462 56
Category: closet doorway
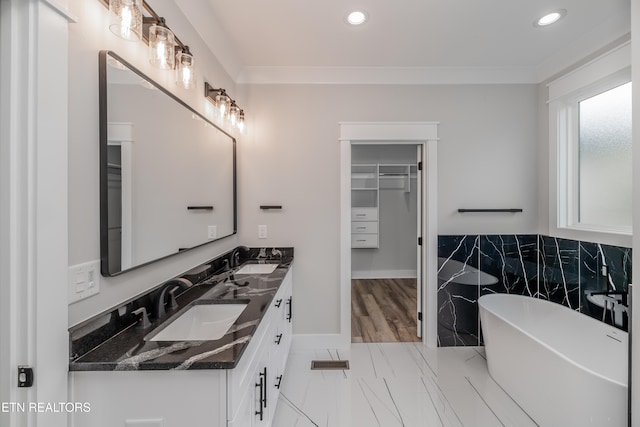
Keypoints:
pixel 385 248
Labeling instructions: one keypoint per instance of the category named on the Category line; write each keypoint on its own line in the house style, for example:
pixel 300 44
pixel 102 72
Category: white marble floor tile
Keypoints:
pixel 395 384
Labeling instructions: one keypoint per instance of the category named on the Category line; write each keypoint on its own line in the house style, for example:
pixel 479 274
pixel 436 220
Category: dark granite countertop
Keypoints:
pixel 124 348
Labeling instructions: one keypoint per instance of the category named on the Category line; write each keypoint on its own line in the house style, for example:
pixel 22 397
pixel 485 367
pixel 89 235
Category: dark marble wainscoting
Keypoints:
pixel 603 268
pixel 458 290
pixel 559 270
pixel 470 266
pixel 513 260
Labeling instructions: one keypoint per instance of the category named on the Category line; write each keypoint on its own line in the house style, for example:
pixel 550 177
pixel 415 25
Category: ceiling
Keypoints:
pixel 261 35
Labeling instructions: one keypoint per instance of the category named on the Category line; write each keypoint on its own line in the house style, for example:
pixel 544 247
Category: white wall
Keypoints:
pixel 487 157
pixel 397 219
pixel 635 290
pixel 86 38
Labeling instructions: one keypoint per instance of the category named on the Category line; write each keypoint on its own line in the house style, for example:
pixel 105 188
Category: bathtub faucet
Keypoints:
pixel 617 300
pixel 622 300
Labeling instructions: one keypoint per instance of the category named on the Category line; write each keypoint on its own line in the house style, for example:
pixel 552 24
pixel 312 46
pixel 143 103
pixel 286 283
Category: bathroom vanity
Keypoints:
pixel 132 375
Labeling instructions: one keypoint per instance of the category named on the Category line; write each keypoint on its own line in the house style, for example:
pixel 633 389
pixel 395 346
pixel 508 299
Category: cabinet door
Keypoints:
pixel 244 415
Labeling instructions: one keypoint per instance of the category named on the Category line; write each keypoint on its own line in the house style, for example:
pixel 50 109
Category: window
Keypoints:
pixel 604 158
pixel 590 151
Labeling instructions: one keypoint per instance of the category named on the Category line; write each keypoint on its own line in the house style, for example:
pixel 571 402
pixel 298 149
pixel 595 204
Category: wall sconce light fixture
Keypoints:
pixel 161 45
pixel 126 19
pixel 136 20
pixel 185 73
pixel 225 106
pixel 222 102
pixel 234 113
pixel 241 121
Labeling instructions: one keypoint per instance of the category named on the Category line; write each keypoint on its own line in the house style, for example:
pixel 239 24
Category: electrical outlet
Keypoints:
pixel 262 232
pixel 212 232
pixel 84 281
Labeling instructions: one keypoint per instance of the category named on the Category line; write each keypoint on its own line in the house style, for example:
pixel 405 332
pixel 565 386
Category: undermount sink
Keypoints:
pixel 257 269
pixel 201 322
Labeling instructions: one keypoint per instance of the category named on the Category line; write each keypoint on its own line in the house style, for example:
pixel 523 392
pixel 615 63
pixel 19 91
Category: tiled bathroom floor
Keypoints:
pixel 395 384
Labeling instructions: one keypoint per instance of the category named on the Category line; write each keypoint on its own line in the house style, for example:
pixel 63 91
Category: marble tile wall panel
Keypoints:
pixel 458 290
pixel 559 271
pixel 617 276
pixel 512 262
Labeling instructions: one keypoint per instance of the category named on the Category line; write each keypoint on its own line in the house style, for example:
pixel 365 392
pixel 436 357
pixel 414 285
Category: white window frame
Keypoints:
pixel 599 75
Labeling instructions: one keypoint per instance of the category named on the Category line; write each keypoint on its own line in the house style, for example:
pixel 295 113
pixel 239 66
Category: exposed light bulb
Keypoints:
pixel 127 22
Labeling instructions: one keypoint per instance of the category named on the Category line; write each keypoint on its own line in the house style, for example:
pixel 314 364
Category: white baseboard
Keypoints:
pixel 384 274
pixel 314 341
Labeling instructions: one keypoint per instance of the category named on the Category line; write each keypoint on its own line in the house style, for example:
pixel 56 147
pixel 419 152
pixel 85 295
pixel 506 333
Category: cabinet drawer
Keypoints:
pixel 366 227
pixel 241 378
pixel 364 240
pixel 364 214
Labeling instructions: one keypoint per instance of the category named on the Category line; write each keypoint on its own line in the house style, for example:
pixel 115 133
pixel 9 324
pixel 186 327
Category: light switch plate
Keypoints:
pixel 84 281
pixel 262 232
pixel 212 232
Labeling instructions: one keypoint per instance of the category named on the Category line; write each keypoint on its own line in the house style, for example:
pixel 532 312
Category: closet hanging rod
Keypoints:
pixel 511 210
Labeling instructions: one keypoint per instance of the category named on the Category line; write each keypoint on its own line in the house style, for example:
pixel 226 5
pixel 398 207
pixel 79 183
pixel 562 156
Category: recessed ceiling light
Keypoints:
pixel 357 17
pixel 550 18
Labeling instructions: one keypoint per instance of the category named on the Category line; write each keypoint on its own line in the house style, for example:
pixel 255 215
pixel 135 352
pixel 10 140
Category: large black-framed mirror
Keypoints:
pixel 167 173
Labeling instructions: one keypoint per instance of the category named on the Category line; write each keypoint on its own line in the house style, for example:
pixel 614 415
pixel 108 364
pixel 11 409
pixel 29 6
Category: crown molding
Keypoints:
pixel 387 75
pixel 613 32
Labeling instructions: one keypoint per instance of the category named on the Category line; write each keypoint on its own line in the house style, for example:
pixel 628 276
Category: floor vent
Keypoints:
pixel 329 364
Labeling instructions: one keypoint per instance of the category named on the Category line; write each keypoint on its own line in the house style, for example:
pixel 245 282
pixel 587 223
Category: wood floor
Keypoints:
pixel 383 310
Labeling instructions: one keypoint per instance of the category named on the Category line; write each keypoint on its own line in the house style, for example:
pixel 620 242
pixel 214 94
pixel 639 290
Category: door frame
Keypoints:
pixel 33 207
pixel 389 133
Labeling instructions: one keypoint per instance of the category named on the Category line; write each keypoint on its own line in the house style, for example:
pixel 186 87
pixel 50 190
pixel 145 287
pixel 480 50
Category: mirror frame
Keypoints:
pixel 102 89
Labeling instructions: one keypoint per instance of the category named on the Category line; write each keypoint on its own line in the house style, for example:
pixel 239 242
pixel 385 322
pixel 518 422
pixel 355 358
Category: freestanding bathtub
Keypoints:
pixel 562 367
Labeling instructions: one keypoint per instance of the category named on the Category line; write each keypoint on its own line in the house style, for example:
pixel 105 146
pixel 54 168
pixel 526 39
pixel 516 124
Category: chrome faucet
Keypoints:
pixel 616 302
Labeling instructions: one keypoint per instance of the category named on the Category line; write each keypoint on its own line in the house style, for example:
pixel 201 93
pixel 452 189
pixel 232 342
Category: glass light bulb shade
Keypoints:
pixel 185 73
pixel 161 47
pixel 126 19
pixel 241 124
pixel 234 114
pixel 222 102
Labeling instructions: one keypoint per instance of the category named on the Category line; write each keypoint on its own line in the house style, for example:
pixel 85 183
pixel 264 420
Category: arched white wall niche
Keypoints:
pixel 419 133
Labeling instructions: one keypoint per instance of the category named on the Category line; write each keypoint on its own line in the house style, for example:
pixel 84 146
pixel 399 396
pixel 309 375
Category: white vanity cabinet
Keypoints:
pixel 254 385
pixel 245 396
pixel 282 323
